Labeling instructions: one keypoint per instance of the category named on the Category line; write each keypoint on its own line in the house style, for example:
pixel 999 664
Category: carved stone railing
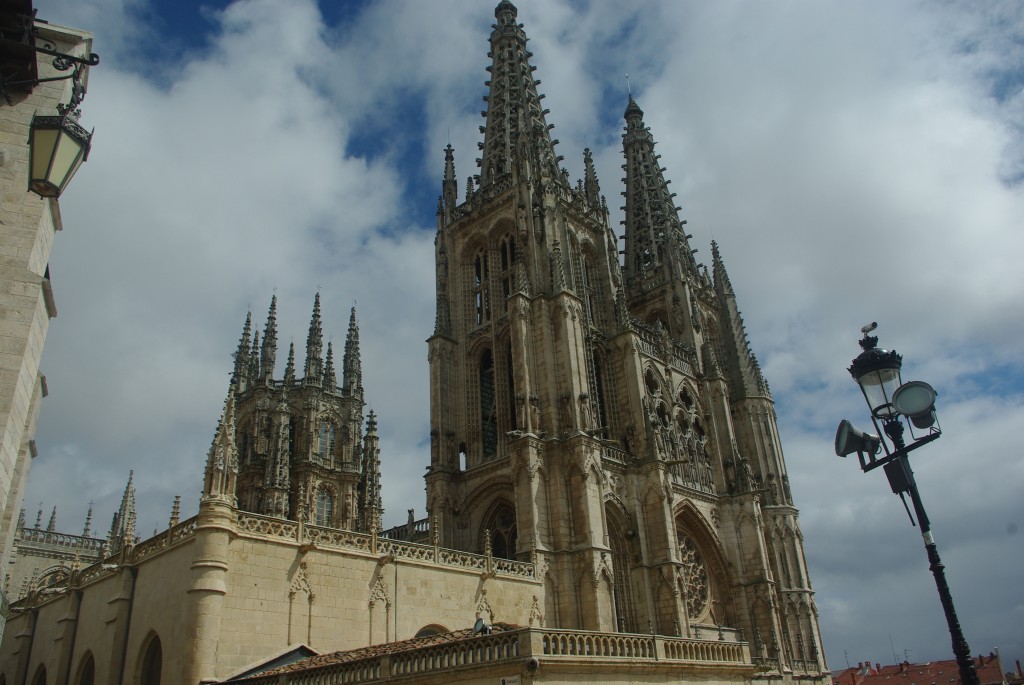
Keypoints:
pixel 614 454
pixel 481 649
pixel 580 644
pixel 376 545
pixel 409 661
pixel 267 526
pixel 405 531
pixel 95 572
pixel 577 644
pixel 39 536
pixel 161 541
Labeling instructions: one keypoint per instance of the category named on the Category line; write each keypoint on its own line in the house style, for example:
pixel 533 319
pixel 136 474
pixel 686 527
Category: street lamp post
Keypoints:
pixel 892 404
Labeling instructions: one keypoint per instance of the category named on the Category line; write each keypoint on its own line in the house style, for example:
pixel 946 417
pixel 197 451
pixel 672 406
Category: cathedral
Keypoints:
pixel 607 498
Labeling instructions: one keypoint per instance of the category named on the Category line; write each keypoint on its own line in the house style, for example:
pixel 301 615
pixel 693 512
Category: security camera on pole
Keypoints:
pixel 896 406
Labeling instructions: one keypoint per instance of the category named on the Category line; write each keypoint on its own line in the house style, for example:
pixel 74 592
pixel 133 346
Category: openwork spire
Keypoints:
pixel 240 377
pixel 654 234
pixel 352 367
pixel 289 369
pixel 122 528
pixel 254 358
pixel 268 355
pixel 450 186
pixel 88 522
pixel 741 364
pixel 590 185
pixel 330 379
pixel 52 525
pixel 314 346
pixel 514 114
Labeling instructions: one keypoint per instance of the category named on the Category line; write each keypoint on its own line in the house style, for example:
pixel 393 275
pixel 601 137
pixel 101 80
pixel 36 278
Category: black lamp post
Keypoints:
pixel 892 403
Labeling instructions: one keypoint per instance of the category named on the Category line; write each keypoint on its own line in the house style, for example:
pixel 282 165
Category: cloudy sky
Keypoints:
pixel 856 162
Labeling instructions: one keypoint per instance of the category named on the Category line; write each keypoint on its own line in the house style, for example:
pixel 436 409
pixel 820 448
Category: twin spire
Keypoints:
pixel 515 118
pixel 654 233
pixel 255 362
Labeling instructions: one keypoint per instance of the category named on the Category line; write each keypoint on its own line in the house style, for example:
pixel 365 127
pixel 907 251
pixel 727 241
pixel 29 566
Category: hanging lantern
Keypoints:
pixel 57 147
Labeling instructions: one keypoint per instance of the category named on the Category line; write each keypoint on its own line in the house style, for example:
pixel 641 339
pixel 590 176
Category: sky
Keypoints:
pixel 855 162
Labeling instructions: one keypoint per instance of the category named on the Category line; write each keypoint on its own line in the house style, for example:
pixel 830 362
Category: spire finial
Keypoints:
pixel 330 381
pixel 289 369
pixel 175 512
pixel 314 345
pixel 629 91
pixel 268 353
pixel 515 116
pixel 88 521
pixel 240 376
pixel 52 525
pixel 352 368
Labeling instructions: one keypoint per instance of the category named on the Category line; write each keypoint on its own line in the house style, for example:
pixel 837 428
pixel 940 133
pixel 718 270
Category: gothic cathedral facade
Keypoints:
pixel 605 419
pixel 606 485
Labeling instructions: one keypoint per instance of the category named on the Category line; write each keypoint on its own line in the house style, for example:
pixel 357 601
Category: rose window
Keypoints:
pixel 696 588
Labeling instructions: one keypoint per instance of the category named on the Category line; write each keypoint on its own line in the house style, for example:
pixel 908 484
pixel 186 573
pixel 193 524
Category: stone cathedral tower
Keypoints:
pixel 301 450
pixel 609 421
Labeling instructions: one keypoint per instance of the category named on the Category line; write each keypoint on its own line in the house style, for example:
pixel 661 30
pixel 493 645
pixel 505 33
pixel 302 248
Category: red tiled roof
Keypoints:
pixel 932 673
pixel 383 648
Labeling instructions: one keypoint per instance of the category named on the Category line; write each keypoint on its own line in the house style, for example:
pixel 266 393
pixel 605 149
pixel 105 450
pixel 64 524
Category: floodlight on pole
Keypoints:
pixel 892 402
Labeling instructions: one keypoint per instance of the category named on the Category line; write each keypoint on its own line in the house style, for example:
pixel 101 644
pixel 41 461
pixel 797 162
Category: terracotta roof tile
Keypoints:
pixel 334 658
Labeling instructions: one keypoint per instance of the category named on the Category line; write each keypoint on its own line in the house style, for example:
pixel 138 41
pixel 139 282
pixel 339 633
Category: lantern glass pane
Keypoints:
pixel 43 142
pixel 66 159
pixel 878 387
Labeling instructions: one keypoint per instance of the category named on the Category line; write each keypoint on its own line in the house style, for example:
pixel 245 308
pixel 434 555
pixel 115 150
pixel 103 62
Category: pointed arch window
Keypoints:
pixel 507 253
pixel 602 418
pixel 488 406
pixel 502 524
pixel 625 615
pixel 481 290
pixel 587 286
pixel 152 663
pixel 510 382
pixel 697 585
pixel 40 678
pixel 87 671
pixel 324 508
pixel 243 447
pixel 325 442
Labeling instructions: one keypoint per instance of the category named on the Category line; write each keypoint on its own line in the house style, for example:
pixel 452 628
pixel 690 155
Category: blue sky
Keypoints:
pixel 855 162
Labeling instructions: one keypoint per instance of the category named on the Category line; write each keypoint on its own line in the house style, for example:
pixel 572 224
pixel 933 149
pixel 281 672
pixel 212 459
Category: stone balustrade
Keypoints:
pixel 391 660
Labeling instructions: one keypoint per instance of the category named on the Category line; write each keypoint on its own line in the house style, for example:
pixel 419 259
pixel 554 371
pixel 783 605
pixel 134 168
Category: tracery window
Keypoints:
pixel 325 442
pixel 507 251
pixel 502 524
pixel 324 507
pixel 587 286
pixel 510 382
pixel 602 418
pixel 481 289
pixel 488 406
pixel 697 587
